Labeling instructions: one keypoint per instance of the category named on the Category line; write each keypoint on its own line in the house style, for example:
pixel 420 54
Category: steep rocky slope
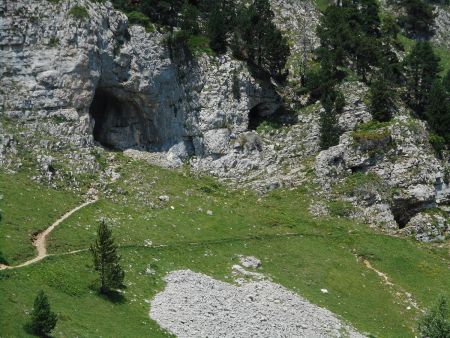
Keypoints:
pixel 72 84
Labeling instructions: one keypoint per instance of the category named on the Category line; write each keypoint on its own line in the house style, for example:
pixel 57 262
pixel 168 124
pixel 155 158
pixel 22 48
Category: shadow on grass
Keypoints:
pixel 113 296
pixel 28 328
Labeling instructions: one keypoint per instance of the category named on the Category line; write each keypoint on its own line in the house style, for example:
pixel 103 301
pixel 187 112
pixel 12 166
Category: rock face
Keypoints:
pixel 442 25
pixel 395 172
pixel 195 305
pixel 428 227
pixel 71 84
pixel 95 79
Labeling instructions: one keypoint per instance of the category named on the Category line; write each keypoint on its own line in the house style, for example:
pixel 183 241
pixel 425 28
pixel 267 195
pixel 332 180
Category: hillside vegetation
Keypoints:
pixel 297 251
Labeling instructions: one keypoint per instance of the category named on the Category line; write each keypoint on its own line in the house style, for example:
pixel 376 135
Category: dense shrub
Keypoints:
pixel 436 322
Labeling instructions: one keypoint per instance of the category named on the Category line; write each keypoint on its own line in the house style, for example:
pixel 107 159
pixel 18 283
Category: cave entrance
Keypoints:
pixel 256 116
pixel 119 123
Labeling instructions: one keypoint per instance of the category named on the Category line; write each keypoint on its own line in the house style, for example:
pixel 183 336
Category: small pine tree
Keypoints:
pixel 106 260
pixel 43 320
pixel 329 129
pixel 380 100
pixel 217 30
pixel 436 323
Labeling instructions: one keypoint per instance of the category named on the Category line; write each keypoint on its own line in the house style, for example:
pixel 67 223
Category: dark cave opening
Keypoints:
pixel 256 116
pixel 119 123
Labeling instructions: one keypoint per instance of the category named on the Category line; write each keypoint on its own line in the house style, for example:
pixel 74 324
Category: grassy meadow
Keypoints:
pixel 302 253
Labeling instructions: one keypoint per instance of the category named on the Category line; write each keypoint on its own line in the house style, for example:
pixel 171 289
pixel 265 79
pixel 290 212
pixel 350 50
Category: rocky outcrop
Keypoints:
pixel 72 82
pixel 442 25
pixel 428 226
pixel 390 170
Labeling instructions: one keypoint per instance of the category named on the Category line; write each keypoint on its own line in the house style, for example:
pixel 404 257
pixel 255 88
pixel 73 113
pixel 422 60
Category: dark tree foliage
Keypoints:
pixel 446 82
pixel 217 29
pixel 163 12
pixel 189 19
pixel 421 69
pixel 257 39
pixel 333 103
pixel 43 320
pixel 418 18
pixel 436 323
pixel 106 260
pixel 381 102
pixel 350 35
pixel 438 110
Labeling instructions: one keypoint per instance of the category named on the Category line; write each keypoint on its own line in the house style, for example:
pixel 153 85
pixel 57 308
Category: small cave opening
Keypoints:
pixel 259 113
pixel 404 210
pixel 119 123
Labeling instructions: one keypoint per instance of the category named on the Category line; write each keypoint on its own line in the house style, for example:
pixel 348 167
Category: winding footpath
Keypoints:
pixel 40 240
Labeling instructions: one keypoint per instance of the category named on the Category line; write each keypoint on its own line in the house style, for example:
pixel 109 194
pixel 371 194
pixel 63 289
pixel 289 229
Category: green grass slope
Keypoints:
pixel 297 251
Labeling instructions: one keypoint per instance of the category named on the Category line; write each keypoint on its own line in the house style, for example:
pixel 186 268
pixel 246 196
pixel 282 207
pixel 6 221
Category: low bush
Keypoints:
pixel 438 143
pixel 79 12
pixel 436 322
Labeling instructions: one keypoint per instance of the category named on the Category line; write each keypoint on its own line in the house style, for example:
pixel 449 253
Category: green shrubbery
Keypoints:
pixel 79 12
pixel 208 26
pixel 138 18
pixel 436 322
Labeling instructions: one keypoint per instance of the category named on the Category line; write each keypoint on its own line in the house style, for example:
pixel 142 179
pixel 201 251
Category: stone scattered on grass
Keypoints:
pixel 249 262
pixel 196 305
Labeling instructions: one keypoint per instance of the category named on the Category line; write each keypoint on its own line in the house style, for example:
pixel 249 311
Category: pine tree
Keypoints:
pixel 217 30
pixel 438 111
pixel 189 19
pixel 436 323
pixel 421 69
pixel 418 20
pixel 381 100
pixel 106 260
pixel 333 103
pixel 257 40
pixel 43 320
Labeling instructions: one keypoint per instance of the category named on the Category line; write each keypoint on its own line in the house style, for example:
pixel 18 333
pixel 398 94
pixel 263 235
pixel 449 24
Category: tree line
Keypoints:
pixel 356 40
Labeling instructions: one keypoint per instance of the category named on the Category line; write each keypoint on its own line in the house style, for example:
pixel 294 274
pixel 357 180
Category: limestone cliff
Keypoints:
pixel 71 85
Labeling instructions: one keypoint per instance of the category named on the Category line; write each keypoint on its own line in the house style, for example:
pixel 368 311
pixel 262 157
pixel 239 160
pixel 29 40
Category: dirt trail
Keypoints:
pixel 40 240
pixel 398 292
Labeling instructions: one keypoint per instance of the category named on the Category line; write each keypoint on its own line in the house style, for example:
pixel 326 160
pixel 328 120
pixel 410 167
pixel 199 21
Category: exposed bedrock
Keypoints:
pixel 98 79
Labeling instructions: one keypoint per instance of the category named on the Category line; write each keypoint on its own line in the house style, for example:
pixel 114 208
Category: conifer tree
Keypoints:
pixel 418 19
pixel 421 69
pixel 257 39
pixel 217 30
pixel 438 111
pixel 43 320
pixel 189 18
pixel 333 104
pixel 380 100
pixel 106 260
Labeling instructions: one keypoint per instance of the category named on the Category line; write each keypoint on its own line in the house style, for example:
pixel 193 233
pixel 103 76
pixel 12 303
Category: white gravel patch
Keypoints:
pixel 196 305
